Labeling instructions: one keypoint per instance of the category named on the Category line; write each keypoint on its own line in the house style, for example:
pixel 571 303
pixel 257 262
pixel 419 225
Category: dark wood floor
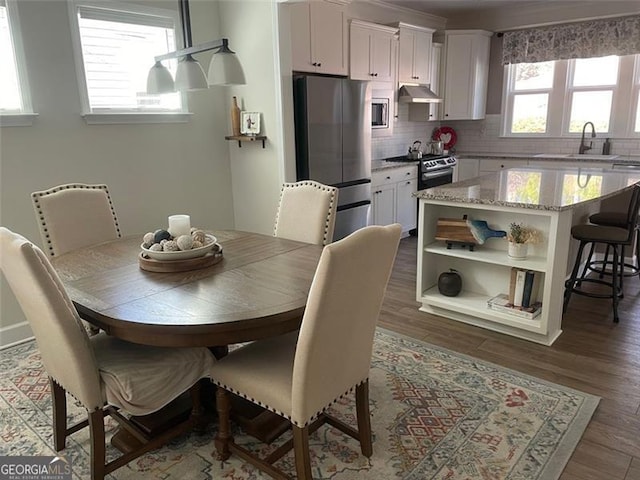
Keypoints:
pixel 592 355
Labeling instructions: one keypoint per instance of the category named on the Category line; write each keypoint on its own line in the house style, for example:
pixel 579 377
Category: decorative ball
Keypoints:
pixel 170 246
pixel 149 238
pixel 160 235
pixel 449 283
pixel 199 236
pixel 197 244
pixel 156 247
pixel 184 242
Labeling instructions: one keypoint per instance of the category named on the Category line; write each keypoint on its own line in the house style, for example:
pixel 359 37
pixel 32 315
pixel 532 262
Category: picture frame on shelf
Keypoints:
pixel 250 123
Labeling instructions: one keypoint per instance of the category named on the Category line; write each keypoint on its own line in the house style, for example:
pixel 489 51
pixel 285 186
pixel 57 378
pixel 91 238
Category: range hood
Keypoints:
pixel 417 94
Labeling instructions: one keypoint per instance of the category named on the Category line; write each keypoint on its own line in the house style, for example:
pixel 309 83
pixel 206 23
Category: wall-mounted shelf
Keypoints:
pixel 246 138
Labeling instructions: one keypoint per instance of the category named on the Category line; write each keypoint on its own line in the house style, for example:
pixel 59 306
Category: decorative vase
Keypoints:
pixel 235 118
pixel 449 283
pixel 517 251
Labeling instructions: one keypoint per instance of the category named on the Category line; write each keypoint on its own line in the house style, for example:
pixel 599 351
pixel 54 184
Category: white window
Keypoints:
pixel 557 98
pixel 15 100
pixel 115 48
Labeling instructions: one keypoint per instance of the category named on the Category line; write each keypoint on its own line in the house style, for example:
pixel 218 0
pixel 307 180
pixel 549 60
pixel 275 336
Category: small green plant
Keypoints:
pixel 519 233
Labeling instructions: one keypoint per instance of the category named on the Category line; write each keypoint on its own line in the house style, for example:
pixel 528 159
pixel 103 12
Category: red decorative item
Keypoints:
pixel 447 135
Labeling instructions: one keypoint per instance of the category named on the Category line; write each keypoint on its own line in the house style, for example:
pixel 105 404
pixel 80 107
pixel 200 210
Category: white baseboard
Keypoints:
pixel 15 334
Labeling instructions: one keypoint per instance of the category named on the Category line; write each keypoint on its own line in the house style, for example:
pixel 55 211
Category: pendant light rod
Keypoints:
pixel 185 18
pixel 222 44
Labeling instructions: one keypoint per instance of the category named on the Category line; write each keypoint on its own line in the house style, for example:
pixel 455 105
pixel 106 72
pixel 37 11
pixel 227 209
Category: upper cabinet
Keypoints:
pixel 419 112
pixel 318 37
pixel 414 58
pixel 372 51
pixel 466 74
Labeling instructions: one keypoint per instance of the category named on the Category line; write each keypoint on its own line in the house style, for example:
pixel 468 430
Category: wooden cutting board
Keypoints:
pixel 454 230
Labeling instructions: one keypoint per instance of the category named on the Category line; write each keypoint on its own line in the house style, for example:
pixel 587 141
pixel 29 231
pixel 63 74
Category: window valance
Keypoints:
pixel 596 38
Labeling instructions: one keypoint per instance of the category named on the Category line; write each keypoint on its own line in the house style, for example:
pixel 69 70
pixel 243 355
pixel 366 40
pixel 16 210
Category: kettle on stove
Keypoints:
pixel 414 152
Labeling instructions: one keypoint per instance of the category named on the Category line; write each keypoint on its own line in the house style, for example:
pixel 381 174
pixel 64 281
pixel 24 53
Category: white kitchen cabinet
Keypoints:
pixel 466 74
pixel 414 57
pixel 372 51
pixel 406 204
pixel 419 112
pixel 318 37
pixel 392 196
pixel 383 204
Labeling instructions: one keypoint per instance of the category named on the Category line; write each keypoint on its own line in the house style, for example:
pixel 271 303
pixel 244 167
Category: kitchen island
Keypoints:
pixel 550 200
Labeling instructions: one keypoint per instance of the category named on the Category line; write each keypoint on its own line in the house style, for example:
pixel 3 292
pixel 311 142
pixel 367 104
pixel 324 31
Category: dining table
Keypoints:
pixel 258 289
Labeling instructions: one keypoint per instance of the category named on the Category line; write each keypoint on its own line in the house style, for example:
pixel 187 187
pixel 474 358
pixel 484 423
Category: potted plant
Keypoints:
pixel 519 237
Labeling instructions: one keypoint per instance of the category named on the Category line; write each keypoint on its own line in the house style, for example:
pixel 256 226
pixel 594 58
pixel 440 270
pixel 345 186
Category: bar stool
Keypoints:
pixel 613 219
pixel 615 238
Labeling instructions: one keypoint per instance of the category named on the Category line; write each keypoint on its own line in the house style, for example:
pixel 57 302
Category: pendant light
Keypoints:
pixel 224 69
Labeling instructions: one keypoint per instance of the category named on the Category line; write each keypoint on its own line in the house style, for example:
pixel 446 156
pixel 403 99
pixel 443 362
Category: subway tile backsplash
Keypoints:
pixel 483 136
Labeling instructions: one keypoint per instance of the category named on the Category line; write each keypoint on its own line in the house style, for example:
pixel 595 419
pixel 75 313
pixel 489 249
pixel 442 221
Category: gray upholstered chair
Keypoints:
pixel 307 212
pixel 104 374
pixel 298 376
pixel 73 216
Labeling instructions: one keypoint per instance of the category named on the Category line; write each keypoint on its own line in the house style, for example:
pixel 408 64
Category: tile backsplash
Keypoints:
pixel 483 136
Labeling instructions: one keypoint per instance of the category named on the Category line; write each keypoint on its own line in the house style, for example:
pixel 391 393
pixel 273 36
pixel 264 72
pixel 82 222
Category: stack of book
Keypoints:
pixel 523 293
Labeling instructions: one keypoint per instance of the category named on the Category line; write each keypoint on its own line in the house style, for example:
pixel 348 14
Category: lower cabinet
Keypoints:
pixel 392 196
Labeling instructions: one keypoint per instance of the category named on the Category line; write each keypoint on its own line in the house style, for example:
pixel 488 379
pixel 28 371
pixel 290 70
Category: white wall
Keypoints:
pixel 152 170
pixel 257 173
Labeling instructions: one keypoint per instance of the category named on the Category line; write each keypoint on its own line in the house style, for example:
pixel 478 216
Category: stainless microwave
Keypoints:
pixel 380 112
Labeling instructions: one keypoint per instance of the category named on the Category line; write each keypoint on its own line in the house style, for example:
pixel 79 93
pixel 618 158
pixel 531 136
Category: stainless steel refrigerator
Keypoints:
pixel 333 143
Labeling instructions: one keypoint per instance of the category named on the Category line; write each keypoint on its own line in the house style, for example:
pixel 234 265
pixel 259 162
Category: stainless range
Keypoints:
pixel 434 170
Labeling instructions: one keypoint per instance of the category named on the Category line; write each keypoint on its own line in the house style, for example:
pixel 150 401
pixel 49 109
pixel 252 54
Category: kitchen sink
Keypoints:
pixel 581 156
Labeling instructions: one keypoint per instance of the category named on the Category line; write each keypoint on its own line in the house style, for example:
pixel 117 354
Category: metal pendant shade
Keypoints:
pixel 190 75
pixel 159 80
pixel 224 69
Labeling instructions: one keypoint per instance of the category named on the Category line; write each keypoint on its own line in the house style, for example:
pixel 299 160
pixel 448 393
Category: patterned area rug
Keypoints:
pixel 436 414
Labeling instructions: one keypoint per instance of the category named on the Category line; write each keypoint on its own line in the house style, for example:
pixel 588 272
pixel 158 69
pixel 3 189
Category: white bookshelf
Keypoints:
pixel 486 270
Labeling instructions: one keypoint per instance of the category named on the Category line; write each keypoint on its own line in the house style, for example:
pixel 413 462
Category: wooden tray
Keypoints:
pixel 168 266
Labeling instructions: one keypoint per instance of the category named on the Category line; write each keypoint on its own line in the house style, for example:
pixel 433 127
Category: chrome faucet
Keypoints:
pixel 583 147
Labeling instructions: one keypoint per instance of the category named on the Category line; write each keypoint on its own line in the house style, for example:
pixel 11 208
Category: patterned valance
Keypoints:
pixel 597 38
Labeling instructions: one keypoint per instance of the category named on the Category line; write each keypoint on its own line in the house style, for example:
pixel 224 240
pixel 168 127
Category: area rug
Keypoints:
pixel 436 414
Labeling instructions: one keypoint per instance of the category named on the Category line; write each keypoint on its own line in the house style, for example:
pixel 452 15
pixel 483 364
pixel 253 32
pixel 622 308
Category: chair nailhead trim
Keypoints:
pixel 35 196
pixel 278 412
pixel 325 188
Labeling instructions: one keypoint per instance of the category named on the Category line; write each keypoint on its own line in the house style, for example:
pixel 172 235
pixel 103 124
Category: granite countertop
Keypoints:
pixel 387 164
pixel 553 189
pixel 624 159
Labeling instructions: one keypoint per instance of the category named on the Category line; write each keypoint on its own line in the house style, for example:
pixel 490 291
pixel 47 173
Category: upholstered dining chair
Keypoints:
pixel 307 212
pixel 299 375
pixel 106 375
pixel 73 216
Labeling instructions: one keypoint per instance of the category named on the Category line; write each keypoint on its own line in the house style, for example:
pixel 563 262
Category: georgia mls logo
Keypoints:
pixel 35 468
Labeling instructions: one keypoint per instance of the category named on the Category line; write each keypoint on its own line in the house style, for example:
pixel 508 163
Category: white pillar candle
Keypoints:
pixel 179 225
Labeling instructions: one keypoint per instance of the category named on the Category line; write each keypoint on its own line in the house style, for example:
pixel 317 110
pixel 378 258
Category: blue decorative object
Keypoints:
pixel 481 231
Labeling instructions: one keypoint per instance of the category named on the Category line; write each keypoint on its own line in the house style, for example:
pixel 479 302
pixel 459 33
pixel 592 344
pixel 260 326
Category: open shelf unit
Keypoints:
pixel 486 270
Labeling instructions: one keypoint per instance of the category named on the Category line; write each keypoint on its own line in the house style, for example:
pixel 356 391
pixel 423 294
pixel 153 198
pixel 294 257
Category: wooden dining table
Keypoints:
pixel 259 289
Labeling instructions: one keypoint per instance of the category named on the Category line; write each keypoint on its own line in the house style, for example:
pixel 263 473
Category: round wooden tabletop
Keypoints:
pixel 258 290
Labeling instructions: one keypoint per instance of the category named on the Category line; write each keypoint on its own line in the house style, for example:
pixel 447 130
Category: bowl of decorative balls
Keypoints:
pixel 160 245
